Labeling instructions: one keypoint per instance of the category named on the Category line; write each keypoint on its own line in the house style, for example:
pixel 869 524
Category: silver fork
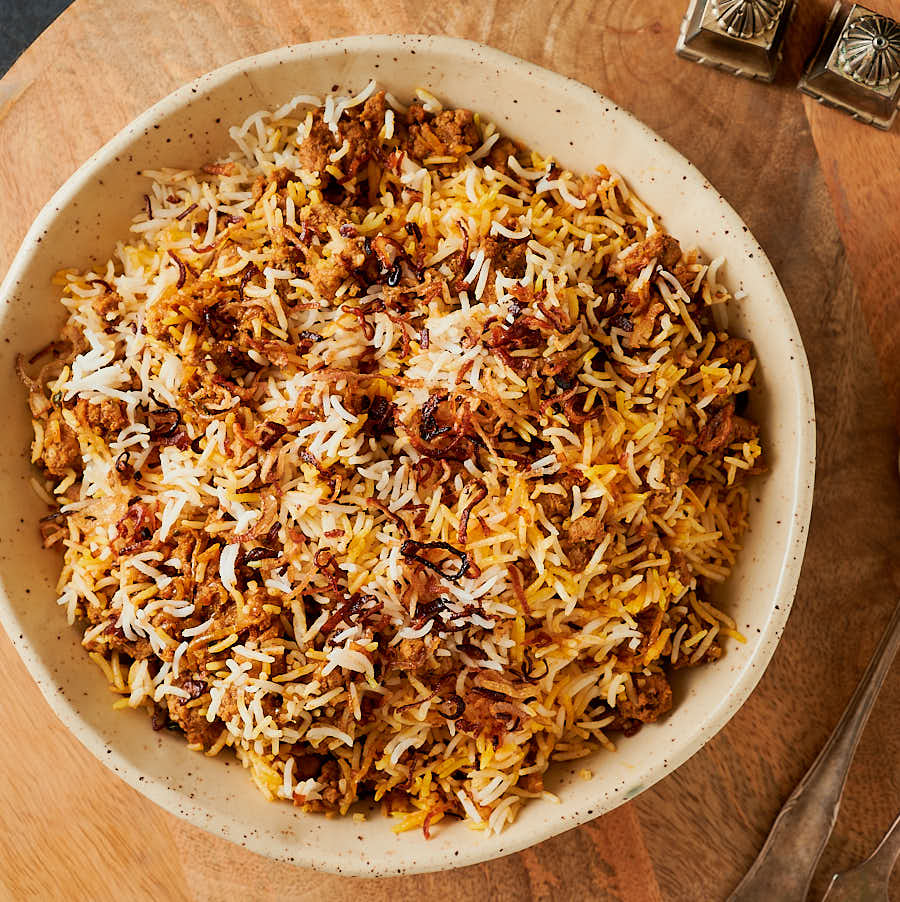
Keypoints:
pixel 868 882
pixel 784 868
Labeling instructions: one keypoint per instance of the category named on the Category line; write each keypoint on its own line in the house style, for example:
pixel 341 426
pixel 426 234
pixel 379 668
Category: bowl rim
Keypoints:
pixel 317 858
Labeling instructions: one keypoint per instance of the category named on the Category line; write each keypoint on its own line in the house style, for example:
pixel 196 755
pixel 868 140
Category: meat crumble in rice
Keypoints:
pixel 395 459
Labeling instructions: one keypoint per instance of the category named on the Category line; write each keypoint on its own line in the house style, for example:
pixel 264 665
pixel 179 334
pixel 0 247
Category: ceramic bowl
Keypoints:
pixel 558 116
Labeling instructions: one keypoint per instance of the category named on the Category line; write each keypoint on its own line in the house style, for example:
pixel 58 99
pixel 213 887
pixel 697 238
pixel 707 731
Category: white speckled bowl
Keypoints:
pixel 580 127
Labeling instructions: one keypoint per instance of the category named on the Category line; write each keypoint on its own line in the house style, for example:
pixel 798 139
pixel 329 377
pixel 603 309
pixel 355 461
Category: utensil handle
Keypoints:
pixel 869 880
pixel 888 851
pixel 785 865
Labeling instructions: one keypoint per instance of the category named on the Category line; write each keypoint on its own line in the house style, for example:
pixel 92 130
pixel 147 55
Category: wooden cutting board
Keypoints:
pixel 822 194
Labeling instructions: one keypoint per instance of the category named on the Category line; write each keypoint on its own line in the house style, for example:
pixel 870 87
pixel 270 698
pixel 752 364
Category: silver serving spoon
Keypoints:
pixel 868 882
pixel 784 868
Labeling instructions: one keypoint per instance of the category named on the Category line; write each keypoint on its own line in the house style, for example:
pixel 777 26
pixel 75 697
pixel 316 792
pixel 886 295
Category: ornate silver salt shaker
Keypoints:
pixel 743 37
pixel 857 66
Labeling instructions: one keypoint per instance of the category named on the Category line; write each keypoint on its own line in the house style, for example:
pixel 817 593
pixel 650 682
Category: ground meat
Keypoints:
pixel 195 725
pixel 372 113
pixel 734 350
pixel 228 706
pixel 359 129
pixel 60 451
pixel 208 393
pixel 662 248
pixel 411 655
pixel 317 146
pixel 251 615
pixel 231 356
pixel 717 431
pixel 587 529
pixel 627 726
pixel 579 553
pixel 159 312
pixel 499 155
pixel 649 622
pixel 583 538
pixel 330 776
pixel 723 428
pixel 113 639
pixel 210 594
pixel 279 177
pixel 654 698
pixel 712 654
pixel 327 274
pixel 181 585
pixel 106 417
pixel 319 217
pixel 329 266
pixel 641 310
pixel 362 147
pixel 508 255
pixel 286 250
pixel 448 133
pixel 362 134
pixel 556 507
pixel 743 430
pixel 327 681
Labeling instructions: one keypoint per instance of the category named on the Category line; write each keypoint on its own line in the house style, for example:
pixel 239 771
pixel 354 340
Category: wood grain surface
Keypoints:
pixel 821 193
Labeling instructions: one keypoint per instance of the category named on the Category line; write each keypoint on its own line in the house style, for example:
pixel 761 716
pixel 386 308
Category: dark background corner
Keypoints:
pixel 21 21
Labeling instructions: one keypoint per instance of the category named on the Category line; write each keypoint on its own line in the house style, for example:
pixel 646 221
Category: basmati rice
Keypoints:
pixel 400 472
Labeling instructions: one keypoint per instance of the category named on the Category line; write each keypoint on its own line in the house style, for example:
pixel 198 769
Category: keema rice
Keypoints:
pixel 395 459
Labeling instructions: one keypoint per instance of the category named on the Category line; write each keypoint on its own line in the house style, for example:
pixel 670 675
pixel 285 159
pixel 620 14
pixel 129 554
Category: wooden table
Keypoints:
pixel 822 194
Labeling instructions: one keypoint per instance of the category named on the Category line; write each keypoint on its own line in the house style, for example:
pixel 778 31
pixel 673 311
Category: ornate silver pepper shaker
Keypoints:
pixel 743 37
pixel 857 66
